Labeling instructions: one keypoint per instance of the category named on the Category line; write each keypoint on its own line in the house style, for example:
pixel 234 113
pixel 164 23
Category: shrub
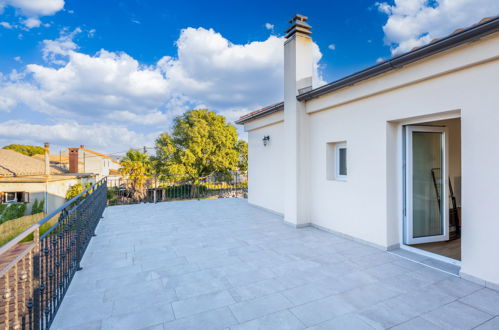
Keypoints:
pixel 76 189
pixel 38 206
pixel 2 209
pixel 13 211
pixel 112 196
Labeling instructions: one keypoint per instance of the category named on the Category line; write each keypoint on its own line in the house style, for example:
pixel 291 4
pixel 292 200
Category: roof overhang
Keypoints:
pixel 464 36
pixel 480 30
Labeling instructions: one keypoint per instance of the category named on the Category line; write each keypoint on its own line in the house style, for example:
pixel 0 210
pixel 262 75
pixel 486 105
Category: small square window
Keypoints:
pixel 336 161
pixel 341 162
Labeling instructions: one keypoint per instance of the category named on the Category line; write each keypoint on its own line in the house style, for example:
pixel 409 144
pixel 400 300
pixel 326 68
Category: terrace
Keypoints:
pixel 217 264
pixel 224 264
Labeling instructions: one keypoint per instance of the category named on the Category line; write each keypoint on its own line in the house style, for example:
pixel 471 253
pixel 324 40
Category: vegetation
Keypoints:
pixel 136 165
pixel 12 211
pixel 112 196
pixel 201 142
pixel 242 149
pixel 38 206
pixel 25 149
pixel 77 189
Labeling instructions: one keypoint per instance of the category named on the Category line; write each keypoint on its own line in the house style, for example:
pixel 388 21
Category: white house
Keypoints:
pixel 25 179
pixel 83 160
pixel 375 155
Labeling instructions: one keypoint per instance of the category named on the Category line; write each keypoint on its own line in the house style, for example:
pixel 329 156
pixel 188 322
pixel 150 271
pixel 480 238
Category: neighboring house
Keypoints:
pixel 402 155
pixel 82 160
pixel 24 179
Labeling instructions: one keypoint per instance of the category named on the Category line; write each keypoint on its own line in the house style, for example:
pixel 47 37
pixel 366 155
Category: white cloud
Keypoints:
pixel 332 46
pixel 379 60
pixel 107 137
pixel 56 51
pixel 7 103
pixel 151 118
pixel 32 10
pixel 6 25
pixel 113 87
pixel 210 69
pixel 269 26
pixel 32 22
pixel 413 23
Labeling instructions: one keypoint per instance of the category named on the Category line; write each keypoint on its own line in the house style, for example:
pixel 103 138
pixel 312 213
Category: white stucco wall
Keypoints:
pixel 364 207
pixel 266 165
pixel 52 192
pixel 369 116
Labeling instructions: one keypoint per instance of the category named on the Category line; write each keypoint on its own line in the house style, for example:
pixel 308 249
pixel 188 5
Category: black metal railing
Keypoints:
pixel 37 266
pixel 163 188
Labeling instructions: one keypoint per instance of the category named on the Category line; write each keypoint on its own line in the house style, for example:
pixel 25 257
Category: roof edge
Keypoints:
pixel 451 41
pixel 260 113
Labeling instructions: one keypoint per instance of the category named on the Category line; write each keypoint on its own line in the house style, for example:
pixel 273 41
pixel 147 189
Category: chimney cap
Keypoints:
pixel 299 25
pixel 298 17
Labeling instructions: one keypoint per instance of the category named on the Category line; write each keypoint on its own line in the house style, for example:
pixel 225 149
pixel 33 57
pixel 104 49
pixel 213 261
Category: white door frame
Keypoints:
pixel 408 224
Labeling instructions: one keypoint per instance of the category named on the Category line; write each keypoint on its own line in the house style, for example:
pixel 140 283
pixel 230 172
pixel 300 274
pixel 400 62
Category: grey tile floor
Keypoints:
pixel 223 264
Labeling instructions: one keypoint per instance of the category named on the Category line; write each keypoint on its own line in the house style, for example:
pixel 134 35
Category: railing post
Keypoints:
pixel 155 188
pixel 36 278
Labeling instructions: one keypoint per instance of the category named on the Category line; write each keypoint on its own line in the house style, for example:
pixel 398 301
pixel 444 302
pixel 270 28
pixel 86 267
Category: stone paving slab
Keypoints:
pixel 224 264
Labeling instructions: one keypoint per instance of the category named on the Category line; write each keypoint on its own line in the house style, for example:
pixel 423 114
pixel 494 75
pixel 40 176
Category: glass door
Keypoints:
pixel 426 216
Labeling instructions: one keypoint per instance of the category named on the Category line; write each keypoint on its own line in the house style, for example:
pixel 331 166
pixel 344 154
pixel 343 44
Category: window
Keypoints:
pixel 336 161
pixel 341 162
pixel 15 197
pixel 10 197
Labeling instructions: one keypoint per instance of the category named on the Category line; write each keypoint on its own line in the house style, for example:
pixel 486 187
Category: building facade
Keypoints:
pixel 24 179
pixel 83 160
pixel 401 155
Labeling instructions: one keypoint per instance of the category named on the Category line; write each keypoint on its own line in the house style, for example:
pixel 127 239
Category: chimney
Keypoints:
pixel 298 71
pixel 298 56
pixel 73 160
pixel 47 158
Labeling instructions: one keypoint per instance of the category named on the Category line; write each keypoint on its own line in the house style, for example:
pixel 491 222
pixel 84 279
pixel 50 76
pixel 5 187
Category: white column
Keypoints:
pixel 298 71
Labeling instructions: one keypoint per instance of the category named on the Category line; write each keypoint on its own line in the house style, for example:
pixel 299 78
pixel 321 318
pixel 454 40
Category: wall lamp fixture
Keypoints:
pixel 266 140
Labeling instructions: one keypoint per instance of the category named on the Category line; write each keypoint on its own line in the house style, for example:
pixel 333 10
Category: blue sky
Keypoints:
pixel 147 30
pixel 112 74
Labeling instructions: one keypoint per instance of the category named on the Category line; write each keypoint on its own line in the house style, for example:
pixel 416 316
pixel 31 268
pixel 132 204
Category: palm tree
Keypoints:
pixel 136 166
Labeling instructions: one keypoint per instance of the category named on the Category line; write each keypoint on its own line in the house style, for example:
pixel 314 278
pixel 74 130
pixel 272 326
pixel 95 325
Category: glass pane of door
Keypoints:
pixel 427 163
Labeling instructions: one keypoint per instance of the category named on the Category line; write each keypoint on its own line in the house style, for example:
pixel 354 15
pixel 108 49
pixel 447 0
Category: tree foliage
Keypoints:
pixel 242 149
pixel 136 165
pixel 201 143
pixel 25 149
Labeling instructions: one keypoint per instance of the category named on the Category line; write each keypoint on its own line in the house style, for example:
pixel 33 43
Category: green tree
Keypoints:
pixel 242 149
pixel 25 149
pixel 136 166
pixel 200 144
